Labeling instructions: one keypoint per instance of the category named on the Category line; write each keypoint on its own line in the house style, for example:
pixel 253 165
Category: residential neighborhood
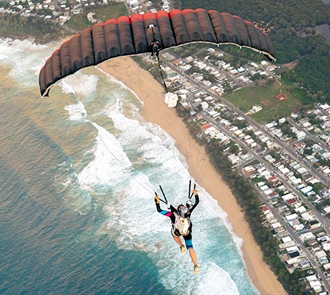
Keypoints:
pixel 290 173
pixel 60 11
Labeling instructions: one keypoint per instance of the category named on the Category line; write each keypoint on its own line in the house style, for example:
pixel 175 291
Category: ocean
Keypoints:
pixel 78 171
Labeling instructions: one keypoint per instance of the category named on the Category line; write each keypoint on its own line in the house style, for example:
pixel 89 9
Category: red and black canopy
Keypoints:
pixel 136 34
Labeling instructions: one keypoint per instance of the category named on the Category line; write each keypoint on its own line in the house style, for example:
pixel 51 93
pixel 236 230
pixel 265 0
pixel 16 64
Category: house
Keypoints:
pixel 326 246
pixel 291 202
pixel 277 226
pixel 314 224
pixel 291 217
pixel 248 170
pixel 321 257
pixel 300 209
pixel 306 189
pixel 293 251
pixel 288 196
pixel 307 237
pixel 272 178
pixel 233 159
pixel 265 209
pixel 326 209
pixel 314 283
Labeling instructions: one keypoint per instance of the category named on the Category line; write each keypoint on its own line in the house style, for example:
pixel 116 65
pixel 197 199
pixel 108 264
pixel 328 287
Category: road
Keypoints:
pixel 282 178
pixel 253 123
pixel 258 157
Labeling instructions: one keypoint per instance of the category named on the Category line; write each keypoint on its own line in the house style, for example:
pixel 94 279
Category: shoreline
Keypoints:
pixel 156 111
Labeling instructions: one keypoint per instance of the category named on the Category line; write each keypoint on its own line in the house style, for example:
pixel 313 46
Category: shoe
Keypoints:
pixel 182 248
pixel 196 270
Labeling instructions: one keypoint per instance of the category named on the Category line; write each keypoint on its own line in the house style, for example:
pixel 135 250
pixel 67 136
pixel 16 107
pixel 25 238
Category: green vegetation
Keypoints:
pixel 247 197
pixel 152 68
pixel 313 73
pixel 16 26
pixel 290 25
pixel 265 96
pixel 102 13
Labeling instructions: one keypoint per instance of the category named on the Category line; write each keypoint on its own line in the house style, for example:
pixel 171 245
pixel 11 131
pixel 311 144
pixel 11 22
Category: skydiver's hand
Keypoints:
pixel 157 201
pixel 168 205
pixel 195 191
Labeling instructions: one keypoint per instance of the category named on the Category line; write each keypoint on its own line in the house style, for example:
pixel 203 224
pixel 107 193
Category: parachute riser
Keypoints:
pixel 165 202
pixel 163 194
pixel 155 48
pixel 189 197
pixel 190 194
pixel 161 73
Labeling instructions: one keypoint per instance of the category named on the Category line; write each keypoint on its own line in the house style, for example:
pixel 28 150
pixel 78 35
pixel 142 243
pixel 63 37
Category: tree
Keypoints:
pixel 234 149
pixel 308 151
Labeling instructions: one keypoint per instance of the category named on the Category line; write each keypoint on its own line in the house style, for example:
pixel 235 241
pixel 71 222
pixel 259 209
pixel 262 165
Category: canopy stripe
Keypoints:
pixel 136 34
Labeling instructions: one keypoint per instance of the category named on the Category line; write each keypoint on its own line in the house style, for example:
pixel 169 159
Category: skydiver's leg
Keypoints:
pixel 192 253
pixel 193 256
pixel 177 239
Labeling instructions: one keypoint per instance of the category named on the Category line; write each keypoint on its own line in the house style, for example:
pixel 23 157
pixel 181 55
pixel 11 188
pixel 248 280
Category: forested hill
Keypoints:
pixel 290 24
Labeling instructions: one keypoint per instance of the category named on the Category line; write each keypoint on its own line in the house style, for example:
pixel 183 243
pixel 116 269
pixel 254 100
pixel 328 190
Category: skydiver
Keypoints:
pixel 155 47
pixel 181 225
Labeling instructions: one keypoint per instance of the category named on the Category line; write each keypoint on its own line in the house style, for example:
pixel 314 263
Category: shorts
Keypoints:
pixel 187 238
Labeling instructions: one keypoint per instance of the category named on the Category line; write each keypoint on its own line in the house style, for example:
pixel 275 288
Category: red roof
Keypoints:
pixel 206 126
pixel 281 96
pixel 265 208
pixel 273 178
pixel 291 201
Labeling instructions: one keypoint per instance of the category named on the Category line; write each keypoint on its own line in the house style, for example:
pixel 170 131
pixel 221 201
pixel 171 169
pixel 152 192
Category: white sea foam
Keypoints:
pixel 27 46
pixel 109 165
pixel 153 148
pixel 76 111
pixel 24 58
pixel 212 280
pixel 3 57
pixel 80 84
pixel 133 222
pixel 110 178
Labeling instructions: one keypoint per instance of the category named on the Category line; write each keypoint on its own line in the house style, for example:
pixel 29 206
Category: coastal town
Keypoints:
pixel 60 11
pixel 286 160
pixel 290 171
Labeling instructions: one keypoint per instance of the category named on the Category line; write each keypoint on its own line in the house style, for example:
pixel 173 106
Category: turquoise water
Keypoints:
pixel 78 172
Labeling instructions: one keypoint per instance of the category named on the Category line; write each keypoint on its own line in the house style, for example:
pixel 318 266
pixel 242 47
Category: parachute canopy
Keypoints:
pixel 141 33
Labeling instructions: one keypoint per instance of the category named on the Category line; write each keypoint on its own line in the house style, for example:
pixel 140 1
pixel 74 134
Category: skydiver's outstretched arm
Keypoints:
pixel 196 201
pixel 165 212
pixel 158 207
pixel 173 209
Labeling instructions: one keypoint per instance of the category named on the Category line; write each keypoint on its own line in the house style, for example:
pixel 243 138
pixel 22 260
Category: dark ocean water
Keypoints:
pixel 45 246
pixel 77 178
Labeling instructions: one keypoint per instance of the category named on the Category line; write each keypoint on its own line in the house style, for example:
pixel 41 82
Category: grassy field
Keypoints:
pixel 102 13
pixel 265 96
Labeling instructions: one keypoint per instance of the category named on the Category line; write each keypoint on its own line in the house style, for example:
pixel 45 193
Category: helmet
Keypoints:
pixel 182 210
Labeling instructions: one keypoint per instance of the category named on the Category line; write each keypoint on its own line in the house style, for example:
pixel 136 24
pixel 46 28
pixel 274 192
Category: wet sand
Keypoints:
pixel 156 111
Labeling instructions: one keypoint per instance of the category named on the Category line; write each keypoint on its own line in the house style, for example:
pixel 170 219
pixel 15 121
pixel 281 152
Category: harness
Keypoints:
pixel 182 225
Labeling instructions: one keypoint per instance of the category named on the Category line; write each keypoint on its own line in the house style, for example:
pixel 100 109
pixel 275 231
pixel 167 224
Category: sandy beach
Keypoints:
pixel 156 111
